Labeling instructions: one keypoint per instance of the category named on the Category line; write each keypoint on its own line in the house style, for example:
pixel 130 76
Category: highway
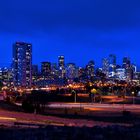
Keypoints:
pixel 116 107
pixel 8 118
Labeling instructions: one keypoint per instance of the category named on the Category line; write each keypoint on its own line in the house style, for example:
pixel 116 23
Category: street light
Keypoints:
pixel 93 92
pixel 133 93
pixel 74 92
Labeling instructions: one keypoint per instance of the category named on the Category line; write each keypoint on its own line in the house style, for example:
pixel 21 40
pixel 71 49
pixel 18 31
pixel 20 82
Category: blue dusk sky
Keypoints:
pixel 81 30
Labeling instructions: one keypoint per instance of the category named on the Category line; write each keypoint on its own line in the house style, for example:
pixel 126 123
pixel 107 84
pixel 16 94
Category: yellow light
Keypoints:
pixel 93 91
pixel 133 93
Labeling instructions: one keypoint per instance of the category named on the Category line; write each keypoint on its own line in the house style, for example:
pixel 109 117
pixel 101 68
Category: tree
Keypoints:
pixel 36 101
pixel 1 85
pixel 93 93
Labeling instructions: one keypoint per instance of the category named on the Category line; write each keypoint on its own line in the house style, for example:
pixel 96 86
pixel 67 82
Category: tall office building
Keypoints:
pixel 46 68
pixel 35 74
pixel 54 69
pixel 120 74
pixel 82 74
pixel 135 73
pixel 129 73
pixel 6 76
pixel 22 64
pixel 129 68
pixel 112 65
pixel 126 63
pixel 90 69
pixel 61 65
pixel 105 66
pixel 134 67
pixel 61 61
pixel 35 70
pixel 71 71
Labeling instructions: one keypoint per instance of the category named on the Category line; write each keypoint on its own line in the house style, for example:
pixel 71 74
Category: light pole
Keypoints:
pixel 74 92
pixel 93 92
pixel 75 97
pixel 124 94
pixel 133 93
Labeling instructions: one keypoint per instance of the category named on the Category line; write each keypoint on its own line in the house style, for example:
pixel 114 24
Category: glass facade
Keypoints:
pixel 22 64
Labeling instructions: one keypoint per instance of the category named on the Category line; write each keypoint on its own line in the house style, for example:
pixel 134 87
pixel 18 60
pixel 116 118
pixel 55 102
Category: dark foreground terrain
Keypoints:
pixel 94 122
pixel 71 133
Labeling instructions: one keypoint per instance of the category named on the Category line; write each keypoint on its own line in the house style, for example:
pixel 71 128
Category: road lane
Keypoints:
pixel 95 105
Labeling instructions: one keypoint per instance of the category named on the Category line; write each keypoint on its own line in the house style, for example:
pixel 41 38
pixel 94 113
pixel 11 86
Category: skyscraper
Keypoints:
pixel 54 69
pixel 134 67
pixel 105 66
pixel 112 65
pixel 35 74
pixel 61 65
pixel 46 68
pixel 61 61
pixel 34 69
pixel 6 76
pixel 82 74
pixel 126 63
pixel 71 71
pixel 128 68
pixel 90 69
pixel 120 74
pixel 22 64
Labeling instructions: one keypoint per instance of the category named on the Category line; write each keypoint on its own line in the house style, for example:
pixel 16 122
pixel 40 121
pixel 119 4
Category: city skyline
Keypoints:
pixel 98 64
pixel 70 69
pixel 24 73
pixel 81 30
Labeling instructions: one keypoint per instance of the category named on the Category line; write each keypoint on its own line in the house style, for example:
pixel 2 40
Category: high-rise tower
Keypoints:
pixel 112 65
pixel 22 64
pixel 61 65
